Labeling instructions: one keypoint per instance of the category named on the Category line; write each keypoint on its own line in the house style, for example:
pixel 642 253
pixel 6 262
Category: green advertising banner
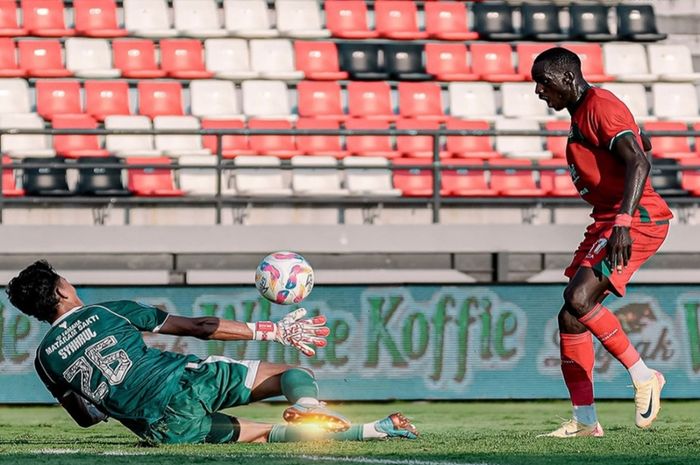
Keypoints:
pixel 410 342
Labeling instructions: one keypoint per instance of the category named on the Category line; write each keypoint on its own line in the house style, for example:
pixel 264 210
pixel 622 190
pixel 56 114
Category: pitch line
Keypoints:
pixel 347 459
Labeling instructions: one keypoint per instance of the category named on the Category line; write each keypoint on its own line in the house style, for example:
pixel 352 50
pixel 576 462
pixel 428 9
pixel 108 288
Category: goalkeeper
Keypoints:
pixel 94 361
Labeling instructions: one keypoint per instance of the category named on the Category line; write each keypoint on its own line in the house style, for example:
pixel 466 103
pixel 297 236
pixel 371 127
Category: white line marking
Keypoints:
pixel 348 459
pixel 57 451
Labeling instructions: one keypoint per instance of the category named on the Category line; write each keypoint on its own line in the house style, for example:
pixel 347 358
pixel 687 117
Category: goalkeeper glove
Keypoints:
pixel 293 330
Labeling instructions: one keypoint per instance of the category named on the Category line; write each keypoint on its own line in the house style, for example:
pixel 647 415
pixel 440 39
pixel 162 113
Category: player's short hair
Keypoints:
pixel 33 290
pixel 560 59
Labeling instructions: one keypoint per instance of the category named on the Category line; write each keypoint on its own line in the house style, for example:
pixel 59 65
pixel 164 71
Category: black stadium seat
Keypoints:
pixel 494 21
pixel 589 22
pixel 541 22
pixel 45 181
pixel 404 62
pixel 362 61
pixel 638 23
pixel 100 181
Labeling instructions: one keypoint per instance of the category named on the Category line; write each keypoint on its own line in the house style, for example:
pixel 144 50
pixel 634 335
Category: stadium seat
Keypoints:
pixel 105 98
pixel 281 146
pixel 136 58
pixel 528 147
pixel 690 178
pixel 664 181
pixel 448 62
pixel 494 62
pixel 14 96
pixel 370 100
pixel 421 100
pixel 9 26
pixel 494 21
pixel 45 182
pixel 447 21
pixel 318 60
pixel 637 23
pixel 591 56
pixel 418 146
pixel 320 100
pixel 557 144
pixel 90 58
pixel 9 68
pixel 97 18
pixel 396 19
pixel 25 145
pixel 632 95
pixel 320 145
pixel 57 97
pixel 148 18
pixel 667 146
pixel 99 181
pixel 76 145
pixel 672 63
pixel 316 176
pixel 229 59
pixel 132 145
pixel 527 52
pixel 473 147
pixel 266 99
pixel 45 18
pixel 589 22
pixel 157 181
pixel 556 182
pixel 183 59
pixel 362 61
pixel 198 18
pixel 627 62
pixel 369 182
pixel 9 181
pixel 263 181
pixel 249 19
pixel 372 145
pixel 231 145
pixel 514 182
pixel 42 58
pixel 212 99
pixel 273 59
pixel 158 98
pixel 466 179
pixel 347 19
pixel 300 19
pixel 177 145
pixel 413 182
pixel 404 62
pixel 675 101
pixel 520 101
pixel 198 181
pixel 541 22
pixel 472 100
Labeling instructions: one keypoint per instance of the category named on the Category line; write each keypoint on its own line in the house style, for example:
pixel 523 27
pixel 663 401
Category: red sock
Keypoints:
pixel 607 328
pixel 577 359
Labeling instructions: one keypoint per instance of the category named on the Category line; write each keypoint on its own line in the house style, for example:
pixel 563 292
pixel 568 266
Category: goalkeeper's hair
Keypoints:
pixel 33 291
pixel 560 59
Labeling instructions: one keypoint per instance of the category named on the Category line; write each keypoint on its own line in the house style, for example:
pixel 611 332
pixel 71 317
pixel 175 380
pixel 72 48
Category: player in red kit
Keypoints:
pixel 630 222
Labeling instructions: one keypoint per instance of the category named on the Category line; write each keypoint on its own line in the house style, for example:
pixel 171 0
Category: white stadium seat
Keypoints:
pixel 634 96
pixel 14 96
pixel 369 182
pixel 274 59
pixel 266 99
pixel 520 101
pixel 627 62
pixel 675 101
pixel 300 19
pixel 202 181
pixel 249 19
pixel 229 59
pixel 131 145
pixel 174 145
pixel 198 18
pixel 214 99
pixel 148 18
pixel 472 100
pixel 25 145
pixel 316 176
pixel 529 147
pixel 263 181
pixel 90 58
pixel 672 63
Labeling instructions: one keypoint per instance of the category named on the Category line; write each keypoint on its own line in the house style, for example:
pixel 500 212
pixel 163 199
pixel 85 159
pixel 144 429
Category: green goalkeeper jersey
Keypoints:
pixel 97 352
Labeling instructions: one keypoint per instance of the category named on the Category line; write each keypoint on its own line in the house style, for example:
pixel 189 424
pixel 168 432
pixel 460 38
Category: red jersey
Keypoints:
pixel 599 174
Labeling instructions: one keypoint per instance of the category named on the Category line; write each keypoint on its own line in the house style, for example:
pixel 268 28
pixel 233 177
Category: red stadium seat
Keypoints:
pixel 397 19
pixel 231 146
pixel 690 179
pixel 9 27
pixel 183 59
pixel 77 145
pixel 370 100
pixel 666 146
pixel 527 52
pixel 160 98
pixel 97 18
pixel 280 146
pixel 413 182
pixel 136 58
pixel 57 97
pixel 9 185
pixel 448 62
pixel 370 146
pixel 105 98
pixel 514 183
pixel 557 183
pixel 477 147
pixel 318 60
pixel 320 100
pixel 8 59
pixel 348 19
pixel 421 100
pixel 448 21
pixel 494 62
pixel 152 182
pixel 42 58
pixel 417 146
pixel 320 145
pixel 45 18
pixel 557 144
pixel 467 180
pixel 591 56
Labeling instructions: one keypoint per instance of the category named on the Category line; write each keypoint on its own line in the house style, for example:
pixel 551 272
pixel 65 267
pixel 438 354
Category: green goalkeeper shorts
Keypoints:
pixel 207 386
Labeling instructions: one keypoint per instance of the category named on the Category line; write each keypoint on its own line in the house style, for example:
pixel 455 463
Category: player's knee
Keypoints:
pixel 577 301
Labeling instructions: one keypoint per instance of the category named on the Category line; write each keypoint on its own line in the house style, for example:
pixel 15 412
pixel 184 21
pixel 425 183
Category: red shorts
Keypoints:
pixel 593 251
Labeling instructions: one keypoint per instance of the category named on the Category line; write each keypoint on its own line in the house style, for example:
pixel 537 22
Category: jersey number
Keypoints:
pixel 113 367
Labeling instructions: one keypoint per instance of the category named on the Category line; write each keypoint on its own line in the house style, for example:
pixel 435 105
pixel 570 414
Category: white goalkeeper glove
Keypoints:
pixel 292 330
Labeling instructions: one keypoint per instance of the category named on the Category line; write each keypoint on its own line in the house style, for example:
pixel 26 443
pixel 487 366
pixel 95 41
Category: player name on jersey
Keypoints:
pixel 73 337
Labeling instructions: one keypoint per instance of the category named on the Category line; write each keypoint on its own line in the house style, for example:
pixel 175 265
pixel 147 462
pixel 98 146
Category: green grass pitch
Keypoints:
pixel 492 433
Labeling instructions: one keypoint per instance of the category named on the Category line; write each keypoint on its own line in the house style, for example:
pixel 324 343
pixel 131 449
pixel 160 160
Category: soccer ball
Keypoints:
pixel 284 278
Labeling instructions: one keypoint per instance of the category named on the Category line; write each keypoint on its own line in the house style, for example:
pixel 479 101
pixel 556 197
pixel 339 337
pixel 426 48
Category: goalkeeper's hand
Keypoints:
pixel 292 330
